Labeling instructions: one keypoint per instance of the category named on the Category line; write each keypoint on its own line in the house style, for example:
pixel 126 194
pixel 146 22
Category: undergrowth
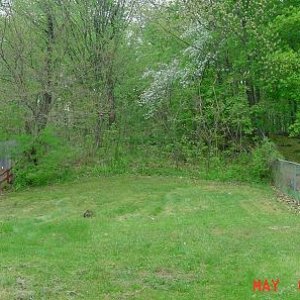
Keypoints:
pixel 47 159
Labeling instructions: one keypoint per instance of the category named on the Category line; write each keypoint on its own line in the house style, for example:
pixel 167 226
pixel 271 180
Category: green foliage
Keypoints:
pixel 185 86
pixel 263 157
pixel 253 166
pixel 42 160
pixel 287 27
pixel 295 128
pixel 288 146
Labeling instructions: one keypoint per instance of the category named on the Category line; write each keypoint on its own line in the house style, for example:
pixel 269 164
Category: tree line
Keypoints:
pixel 192 81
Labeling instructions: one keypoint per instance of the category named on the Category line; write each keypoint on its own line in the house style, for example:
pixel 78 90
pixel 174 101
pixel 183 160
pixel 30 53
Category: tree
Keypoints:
pixel 32 53
pixel 97 31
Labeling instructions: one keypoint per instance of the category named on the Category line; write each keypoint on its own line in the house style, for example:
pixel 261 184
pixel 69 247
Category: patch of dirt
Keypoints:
pixel 22 293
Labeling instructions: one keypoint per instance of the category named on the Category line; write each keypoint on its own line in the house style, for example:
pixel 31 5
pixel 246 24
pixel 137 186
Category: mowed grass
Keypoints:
pixel 150 238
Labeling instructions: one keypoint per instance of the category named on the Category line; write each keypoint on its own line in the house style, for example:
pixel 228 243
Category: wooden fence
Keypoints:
pixel 6 176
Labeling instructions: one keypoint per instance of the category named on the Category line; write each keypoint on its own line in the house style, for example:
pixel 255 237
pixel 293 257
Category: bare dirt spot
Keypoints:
pixel 22 292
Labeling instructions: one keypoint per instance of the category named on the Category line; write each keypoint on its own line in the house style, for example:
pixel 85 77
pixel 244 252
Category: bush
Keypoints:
pixel 252 166
pixel 42 160
pixel 263 156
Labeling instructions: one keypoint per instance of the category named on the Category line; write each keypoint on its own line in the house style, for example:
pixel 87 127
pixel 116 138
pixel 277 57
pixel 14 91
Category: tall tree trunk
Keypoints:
pixel 99 128
pixel 250 91
pixel 111 99
pixel 47 97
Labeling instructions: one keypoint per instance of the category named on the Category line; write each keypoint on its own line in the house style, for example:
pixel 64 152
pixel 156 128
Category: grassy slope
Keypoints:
pixel 151 238
pixel 288 147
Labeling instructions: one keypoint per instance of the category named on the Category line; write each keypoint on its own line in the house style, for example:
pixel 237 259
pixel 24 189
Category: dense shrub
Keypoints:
pixel 262 158
pixel 42 160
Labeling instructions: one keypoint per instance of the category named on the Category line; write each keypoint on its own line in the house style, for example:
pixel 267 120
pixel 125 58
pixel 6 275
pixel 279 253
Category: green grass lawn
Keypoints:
pixel 150 238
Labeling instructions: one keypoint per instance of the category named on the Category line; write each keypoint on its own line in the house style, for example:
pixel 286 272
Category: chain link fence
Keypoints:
pixel 286 176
